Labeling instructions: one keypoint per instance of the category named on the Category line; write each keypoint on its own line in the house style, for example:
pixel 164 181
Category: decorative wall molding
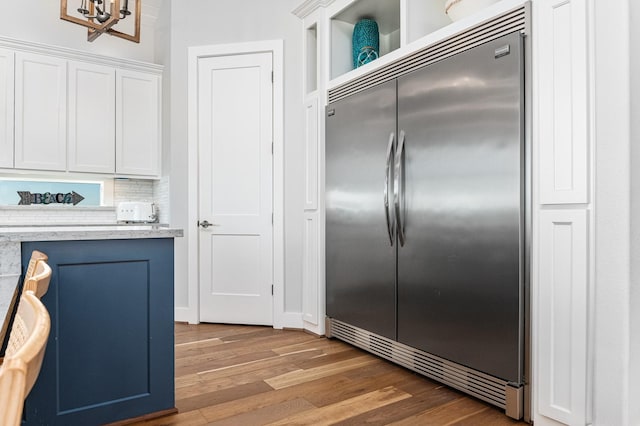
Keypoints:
pixel 77 55
pixel 309 6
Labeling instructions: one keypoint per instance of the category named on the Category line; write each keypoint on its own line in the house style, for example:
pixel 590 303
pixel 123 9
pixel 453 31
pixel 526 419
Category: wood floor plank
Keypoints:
pixel 214 381
pixel 195 348
pixel 445 414
pixel 327 345
pixel 216 397
pixel 489 417
pixel 190 332
pixel 329 358
pixel 259 367
pixel 258 401
pixel 242 373
pixel 400 410
pixel 333 413
pixel 189 418
pixel 300 376
pixel 208 362
pixel 267 414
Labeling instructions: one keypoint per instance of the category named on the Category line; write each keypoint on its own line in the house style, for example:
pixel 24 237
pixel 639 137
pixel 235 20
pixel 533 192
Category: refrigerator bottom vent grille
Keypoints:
pixel 472 382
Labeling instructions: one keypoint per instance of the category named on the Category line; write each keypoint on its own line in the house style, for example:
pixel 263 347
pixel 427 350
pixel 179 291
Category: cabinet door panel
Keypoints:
pixel 562 319
pixel 110 353
pixel 563 99
pixel 40 112
pixel 6 108
pixel 92 113
pixel 137 123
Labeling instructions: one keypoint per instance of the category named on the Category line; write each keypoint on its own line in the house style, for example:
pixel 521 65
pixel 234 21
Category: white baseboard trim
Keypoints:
pixel 315 328
pixel 288 320
pixel 185 315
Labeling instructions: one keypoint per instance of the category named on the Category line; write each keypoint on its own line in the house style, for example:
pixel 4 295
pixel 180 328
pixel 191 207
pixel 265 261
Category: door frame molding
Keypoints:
pixel 275 47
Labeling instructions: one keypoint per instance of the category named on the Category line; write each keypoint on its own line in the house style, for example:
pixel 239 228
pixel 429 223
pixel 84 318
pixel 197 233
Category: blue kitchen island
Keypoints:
pixel 110 354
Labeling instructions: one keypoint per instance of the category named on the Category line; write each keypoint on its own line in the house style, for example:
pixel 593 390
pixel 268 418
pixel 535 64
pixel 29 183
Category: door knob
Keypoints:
pixel 205 224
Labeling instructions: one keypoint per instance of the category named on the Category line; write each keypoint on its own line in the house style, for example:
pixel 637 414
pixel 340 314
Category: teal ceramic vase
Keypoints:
pixel 365 42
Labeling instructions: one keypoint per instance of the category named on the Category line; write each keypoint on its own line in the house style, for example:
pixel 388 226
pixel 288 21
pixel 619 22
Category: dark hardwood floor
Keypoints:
pixel 247 375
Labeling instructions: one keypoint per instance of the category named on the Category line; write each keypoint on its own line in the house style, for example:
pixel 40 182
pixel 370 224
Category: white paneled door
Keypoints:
pixel 235 188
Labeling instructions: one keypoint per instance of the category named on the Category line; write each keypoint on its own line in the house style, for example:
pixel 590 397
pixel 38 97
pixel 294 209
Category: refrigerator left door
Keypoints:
pixel 360 244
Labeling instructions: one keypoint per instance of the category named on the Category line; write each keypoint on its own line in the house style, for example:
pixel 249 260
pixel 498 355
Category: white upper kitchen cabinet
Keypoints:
pixel 92 114
pixel 40 112
pixel 138 122
pixel 6 108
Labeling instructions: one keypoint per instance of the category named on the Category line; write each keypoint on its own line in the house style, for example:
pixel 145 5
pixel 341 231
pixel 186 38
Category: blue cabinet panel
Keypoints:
pixel 110 355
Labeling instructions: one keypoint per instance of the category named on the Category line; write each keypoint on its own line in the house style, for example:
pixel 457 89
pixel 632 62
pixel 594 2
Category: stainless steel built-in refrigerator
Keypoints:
pixel 425 201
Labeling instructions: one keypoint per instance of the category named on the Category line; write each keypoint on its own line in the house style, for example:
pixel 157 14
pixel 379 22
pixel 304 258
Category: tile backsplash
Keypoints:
pixel 156 191
pixel 132 190
pixel 161 198
pixel 60 215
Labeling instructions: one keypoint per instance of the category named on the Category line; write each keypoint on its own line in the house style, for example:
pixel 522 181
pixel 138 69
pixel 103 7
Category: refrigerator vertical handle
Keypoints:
pixel 398 187
pixel 387 179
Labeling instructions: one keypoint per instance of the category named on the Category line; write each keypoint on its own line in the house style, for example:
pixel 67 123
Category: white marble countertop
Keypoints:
pixel 10 233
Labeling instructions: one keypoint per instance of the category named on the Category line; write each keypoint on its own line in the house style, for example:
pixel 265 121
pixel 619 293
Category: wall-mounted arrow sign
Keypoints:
pixel 27 198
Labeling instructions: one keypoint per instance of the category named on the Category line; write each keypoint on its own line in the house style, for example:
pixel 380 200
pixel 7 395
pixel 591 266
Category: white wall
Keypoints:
pixel 206 22
pixel 634 359
pixel 611 326
pixel 40 22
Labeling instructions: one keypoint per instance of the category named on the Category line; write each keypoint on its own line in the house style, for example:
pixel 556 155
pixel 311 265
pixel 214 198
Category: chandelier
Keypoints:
pixel 101 16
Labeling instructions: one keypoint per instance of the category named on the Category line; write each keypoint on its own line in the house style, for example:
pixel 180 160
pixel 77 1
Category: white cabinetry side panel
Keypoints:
pixel 92 115
pixel 137 123
pixel 310 269
pixel 6 107
pixel 563 100
pixel 311 155
pixel 40 112
pixel 562 319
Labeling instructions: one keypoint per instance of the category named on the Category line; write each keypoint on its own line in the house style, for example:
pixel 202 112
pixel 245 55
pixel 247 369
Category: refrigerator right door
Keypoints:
pixel 460 276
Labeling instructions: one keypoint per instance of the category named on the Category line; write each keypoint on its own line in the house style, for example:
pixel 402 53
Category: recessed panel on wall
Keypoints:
pixel 235 265
pixel 311 155
pixel 6 107
pixel 562 319
pixel 310 269
pixel 563 101
pixel 236 171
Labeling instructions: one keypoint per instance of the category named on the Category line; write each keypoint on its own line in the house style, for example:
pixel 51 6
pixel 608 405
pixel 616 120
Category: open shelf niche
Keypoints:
pixel 311 40
pixel 400 22
pixel 385 12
